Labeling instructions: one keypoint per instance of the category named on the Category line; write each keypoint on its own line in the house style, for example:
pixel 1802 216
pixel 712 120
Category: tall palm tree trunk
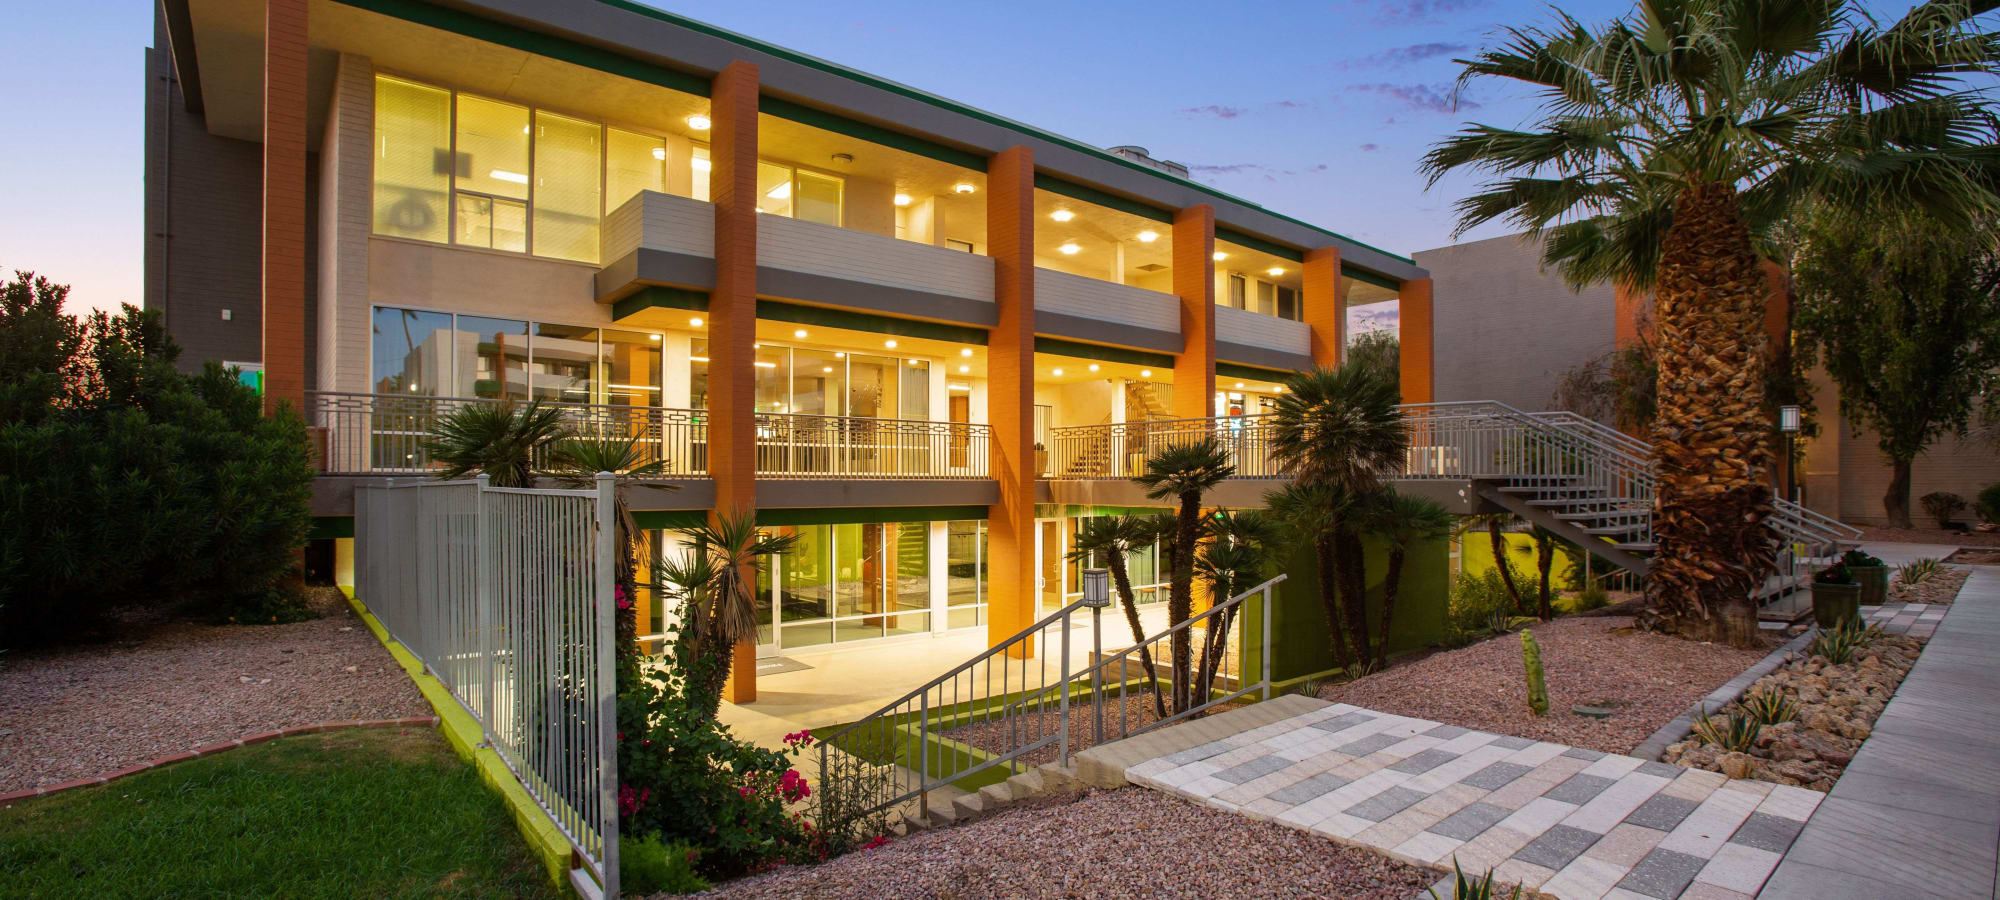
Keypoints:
pixel 1180 596
pixel 1545 560
pixel 1499 542
pixel 1122 580
pixel 1329 597
pixel 1711 441
pixel 1354 587
pixel 1391 585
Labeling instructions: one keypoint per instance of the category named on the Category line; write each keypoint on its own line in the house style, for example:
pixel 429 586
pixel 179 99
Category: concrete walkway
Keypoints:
pixel 1917 814
pixel 1576 824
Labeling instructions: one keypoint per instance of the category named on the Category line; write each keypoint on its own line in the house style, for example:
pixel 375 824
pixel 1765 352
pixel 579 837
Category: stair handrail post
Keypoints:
pixel 923 756
pixel 1097 672
pixel 1062 716
pixel 1266 655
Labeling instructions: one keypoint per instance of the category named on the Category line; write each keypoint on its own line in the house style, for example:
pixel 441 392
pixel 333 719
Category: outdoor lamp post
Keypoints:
pixel 1097 588
pixel 1790 420
pixel 1097 596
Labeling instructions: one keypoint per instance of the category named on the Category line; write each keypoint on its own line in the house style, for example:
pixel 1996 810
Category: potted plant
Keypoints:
pixel 1041 458
pixel 1871 573
pixel 1836 596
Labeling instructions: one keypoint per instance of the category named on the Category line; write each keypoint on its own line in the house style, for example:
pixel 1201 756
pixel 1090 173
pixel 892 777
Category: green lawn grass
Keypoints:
pixel 365 812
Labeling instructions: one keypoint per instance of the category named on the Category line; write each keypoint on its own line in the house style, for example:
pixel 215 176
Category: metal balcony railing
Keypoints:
pixel 358 434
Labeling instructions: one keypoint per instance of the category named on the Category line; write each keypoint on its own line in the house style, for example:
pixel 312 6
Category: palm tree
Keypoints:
pixel 1672 144
pixel 574 462
pixel 717 581
pixel 1233 560
pixel 1183 473
pixel 498 440
pixel 1495 526
pixel 1109 538
pixel 1402 521
pixel 1313 514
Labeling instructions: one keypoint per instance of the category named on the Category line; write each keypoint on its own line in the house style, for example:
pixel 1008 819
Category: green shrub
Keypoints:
pixel 1988 503
pixel 1593 596
pixel 124 482
pixel 1473 600
pixel 646 867
pixel 1531 659
pixel 1944 506
pixel 1859 559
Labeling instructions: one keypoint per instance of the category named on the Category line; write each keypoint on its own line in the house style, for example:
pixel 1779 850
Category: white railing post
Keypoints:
pixel 1265 657
pixel 485 554
pixel 1062 718
pixel 607 691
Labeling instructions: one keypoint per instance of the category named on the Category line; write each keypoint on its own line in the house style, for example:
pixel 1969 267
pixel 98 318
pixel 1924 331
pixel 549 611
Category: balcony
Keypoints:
pixel 1107 312
pixel 384 434
pixel 1243 332
pixel 862 258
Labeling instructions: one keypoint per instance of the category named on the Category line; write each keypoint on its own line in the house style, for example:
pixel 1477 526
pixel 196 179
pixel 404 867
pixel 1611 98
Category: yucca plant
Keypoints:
pixel 1737 733
pixel 1468 888
pixel 498 440
pixel 1503 622
pixel 1840 643
pixel 1771 707
pixel 1920 571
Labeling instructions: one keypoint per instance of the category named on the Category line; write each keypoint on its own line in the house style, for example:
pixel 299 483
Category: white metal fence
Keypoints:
pixel 506 595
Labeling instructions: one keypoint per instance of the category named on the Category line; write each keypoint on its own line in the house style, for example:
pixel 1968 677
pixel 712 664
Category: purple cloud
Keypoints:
pixel 1414 12
pixel 1399 56
pixel 1370 148
pixel 1216 112
pixel 1424 97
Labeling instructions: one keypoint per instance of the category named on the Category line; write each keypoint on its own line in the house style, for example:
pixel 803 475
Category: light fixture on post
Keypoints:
pixel 1097 588
pixel 1791 419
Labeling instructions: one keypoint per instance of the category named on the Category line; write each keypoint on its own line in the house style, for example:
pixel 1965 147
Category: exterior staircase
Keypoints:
pixel 1143 404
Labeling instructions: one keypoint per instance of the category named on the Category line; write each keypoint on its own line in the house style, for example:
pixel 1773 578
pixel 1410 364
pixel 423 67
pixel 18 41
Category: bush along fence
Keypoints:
pixel 506 596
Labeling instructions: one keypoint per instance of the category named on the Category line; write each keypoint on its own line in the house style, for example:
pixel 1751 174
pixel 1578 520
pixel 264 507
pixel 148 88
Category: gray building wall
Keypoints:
pixel 203 218
pixel 1505 330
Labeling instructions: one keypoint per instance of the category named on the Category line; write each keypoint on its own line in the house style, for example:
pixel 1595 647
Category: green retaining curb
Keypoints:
pixel 467 740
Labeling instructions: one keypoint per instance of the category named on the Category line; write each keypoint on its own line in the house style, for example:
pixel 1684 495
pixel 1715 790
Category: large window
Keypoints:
pixel 795 193
pixel 412 160
pixel 965 574
pixel 829 383
pixel 633 162
pixel 568 153
pixel 851 582
pixel 1260 296
pixel 444 355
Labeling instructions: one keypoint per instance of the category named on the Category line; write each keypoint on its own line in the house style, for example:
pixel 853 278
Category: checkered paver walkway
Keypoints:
pixel 1915 619
pixel 1576 824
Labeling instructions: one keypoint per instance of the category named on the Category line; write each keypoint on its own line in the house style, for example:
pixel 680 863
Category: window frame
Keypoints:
pixel 452 377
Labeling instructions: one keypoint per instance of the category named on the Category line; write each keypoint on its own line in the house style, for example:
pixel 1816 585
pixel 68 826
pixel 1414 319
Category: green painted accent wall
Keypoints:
pixel 655 296
pixel 1363 275
pixel 1475 555
pixel 1255 373
pixel 329 527
pixel 1256 243
pixel 780 311
pixel 1299 631
pixel 1082 350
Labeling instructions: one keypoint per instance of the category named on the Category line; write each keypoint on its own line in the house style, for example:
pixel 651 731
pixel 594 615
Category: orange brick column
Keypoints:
pixel 1632 316
pixel 1194 283
pixel 1325 306
pixel 284 244
pixel 732 317
pixel 1413 333
pixel 1010 397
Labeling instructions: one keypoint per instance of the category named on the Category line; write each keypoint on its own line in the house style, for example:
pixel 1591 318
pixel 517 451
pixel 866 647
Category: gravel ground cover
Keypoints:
pixel 1645 679
pixel 1976 557
pixel 1130 842
pixel 1937 590
pixel 1837 706
pixel 1931 536
pixel 1137 711
pixel 82 711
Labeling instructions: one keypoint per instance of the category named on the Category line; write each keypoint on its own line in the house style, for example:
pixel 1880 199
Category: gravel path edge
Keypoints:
pixel 1671 733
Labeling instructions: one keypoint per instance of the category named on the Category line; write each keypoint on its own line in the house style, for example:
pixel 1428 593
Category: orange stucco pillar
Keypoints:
pixel 732 317
pixel 1325 305
pixel 1194 283
pixel 1632 316
pixel 1414 334
pixel 284 205
pixel 1010 385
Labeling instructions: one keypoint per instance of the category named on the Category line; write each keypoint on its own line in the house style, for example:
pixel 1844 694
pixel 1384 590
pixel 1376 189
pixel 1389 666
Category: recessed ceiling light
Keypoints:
pixel 654 336
pixel 1070 249
pixel 1275 271
pixel 1058 373
pixel 1062 215
pixel 826 368
pixel 695 321
pixel 902 199
pixel 890 343
pixel 799 333
pixel 911 361
pixel 699 122
pixel 659 153
pixel 1280 389
pixel 965 368
pixel 1147 237
pixel 1239 385
pixel 840 354
pixel 1145 373
pixel 1220 256
pixel 962 188
pixel 1093 367
pixel 965 351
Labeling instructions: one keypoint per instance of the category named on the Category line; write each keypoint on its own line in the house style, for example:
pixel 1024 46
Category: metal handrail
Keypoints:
pixel 801 445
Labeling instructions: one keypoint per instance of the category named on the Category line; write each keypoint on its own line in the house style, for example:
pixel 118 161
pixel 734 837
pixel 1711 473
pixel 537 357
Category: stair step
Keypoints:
pixel 1609 530
pixel 1549 489
pixel 1633 513
pixel 1636 546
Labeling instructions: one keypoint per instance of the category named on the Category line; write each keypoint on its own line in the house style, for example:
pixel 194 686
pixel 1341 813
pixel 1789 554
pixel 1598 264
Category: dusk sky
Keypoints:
pixel 1316 110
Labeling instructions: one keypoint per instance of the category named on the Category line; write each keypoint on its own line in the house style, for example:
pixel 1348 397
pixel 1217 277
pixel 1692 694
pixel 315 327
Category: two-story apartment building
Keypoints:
pixel 876 316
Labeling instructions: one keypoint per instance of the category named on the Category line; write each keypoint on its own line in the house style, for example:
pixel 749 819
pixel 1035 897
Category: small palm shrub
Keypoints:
pixel 1944 506
pixel 1988 503
pixel 1503 622
pixel 1472 602
pixel 1736 734
pixel 1771 708
pixel 1538 688
pixel 1921 570
pixel 646 867
pixel 1840 643
pixel 1468 888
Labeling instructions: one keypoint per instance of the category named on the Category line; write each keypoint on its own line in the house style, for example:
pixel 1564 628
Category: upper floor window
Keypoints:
pixel 798 194
pixel 1260 296
pixel 438 354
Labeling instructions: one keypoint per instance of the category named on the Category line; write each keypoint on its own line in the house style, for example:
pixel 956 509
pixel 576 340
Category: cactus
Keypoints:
pixel 1531 659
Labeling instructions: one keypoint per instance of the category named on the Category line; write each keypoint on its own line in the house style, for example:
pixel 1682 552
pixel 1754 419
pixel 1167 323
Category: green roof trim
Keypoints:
pixel 855 128
pixel 1080 350
pixel 326 528
pixel 868 515
pixel 665 519
pixel 1074 191
pixel 1363 275
pixel 1254 373
pixel 802 314
pixel 662 297
pixel 536 42
pixel 1256 243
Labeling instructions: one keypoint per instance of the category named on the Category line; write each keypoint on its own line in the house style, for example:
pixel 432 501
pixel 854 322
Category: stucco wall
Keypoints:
pixel 1505 330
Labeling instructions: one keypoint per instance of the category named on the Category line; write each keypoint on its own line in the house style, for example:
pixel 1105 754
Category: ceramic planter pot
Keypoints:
pixel 1834 602
pixel 1874 584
